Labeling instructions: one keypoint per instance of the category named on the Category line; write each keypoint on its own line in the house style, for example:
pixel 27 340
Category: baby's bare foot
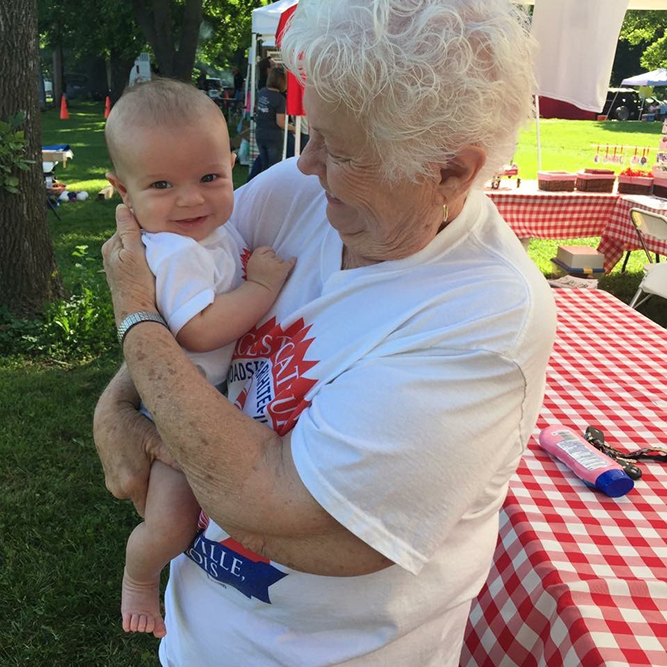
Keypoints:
pixel 140 606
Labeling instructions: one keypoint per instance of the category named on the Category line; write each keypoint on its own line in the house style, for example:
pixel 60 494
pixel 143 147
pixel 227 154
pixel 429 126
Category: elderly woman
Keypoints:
pixel 350 483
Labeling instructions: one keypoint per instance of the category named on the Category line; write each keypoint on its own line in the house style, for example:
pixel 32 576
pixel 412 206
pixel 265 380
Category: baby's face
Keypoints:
pixel 178 179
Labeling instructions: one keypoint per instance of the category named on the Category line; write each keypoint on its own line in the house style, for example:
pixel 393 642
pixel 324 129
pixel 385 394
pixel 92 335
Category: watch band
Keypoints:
pixel 136 318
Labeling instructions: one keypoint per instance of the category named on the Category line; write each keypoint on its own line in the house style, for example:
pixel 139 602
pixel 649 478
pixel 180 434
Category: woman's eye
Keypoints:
pixel 337 158
pixel 161 185
pixel 208 178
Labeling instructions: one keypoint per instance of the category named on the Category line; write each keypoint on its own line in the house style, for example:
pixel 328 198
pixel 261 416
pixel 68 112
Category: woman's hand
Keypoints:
pixel 130 280
pixel 127 442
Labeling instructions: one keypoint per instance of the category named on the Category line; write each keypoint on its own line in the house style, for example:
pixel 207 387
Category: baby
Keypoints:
pixel 169 146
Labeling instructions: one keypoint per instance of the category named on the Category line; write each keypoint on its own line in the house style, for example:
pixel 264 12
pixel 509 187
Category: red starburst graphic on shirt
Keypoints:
pixel 230 542
pixel 284 350
pixel 245 256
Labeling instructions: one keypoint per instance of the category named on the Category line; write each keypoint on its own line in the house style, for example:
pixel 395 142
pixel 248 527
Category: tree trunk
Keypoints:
pixel 28 270
pixel 157 25
pixel 187 48
pixel 119 71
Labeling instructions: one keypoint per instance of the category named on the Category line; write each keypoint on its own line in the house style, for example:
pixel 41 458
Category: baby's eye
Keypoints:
pixel 161 185
pixel 209 178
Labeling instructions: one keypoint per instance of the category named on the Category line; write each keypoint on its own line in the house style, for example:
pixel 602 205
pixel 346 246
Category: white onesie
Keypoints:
pixel 188 276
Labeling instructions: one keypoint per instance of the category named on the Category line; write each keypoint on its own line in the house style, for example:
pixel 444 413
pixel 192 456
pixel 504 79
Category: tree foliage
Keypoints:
pixel 649 30
pixel 233 20
pixel 176 32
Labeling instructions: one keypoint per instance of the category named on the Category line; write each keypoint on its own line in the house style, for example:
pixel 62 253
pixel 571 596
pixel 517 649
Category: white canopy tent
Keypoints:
pixel 658 77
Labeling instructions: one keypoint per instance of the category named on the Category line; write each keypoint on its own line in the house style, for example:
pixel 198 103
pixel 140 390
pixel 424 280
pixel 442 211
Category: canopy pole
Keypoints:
pixel 253 92
pixel 539 139
pixel 285 137
pixel 297 137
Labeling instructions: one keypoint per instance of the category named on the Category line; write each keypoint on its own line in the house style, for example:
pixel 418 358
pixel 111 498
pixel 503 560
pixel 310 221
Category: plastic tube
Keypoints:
pixel 596 469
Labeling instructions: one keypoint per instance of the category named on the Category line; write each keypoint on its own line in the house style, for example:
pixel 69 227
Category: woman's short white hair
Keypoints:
pixel 425 77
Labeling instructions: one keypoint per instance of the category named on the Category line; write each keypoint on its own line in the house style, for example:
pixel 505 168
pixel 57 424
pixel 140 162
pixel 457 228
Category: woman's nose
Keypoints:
pixel 310 161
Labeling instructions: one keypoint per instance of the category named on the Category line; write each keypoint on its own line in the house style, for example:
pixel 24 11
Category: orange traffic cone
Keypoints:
pixel 107 107
pixel 64 114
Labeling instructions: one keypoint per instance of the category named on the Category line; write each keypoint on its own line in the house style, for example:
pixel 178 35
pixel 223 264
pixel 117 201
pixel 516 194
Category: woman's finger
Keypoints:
pixel 129 231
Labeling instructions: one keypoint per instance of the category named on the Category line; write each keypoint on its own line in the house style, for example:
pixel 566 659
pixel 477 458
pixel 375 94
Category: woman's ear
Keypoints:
pixel 459 175
pixel 118 184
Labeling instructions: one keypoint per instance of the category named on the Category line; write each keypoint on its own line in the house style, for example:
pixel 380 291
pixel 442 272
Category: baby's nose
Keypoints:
pixel 190 196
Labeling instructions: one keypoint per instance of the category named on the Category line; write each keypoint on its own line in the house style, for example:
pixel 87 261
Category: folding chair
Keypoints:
pixel 652 221
pixel 655 278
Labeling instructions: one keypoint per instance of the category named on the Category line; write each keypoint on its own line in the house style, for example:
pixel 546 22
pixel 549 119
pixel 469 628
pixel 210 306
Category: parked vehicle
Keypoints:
pixel 623 104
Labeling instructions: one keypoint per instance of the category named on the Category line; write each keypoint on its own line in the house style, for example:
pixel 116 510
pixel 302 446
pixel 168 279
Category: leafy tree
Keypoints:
pixel 648 30
pixel 233 19
pixel 28 272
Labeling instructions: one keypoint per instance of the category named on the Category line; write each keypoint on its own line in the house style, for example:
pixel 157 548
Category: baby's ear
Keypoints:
pixel 118 184
pixel 233 159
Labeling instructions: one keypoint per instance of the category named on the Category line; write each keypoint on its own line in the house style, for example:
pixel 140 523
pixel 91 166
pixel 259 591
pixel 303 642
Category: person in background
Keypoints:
pixel 239 81
pixel 270 118
pixel 264 66
pixel 351 480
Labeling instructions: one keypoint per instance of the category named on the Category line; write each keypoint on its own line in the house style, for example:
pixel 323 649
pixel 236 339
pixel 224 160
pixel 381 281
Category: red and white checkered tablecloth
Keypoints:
pixel 619 235
pixel 533 213
pixel 580 579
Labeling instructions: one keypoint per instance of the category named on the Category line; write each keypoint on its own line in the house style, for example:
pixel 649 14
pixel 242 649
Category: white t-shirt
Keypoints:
pixel 188 276
pixel 416 384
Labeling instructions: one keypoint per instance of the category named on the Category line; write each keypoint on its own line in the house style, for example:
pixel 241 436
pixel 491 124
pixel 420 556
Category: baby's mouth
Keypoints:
pixel 191 221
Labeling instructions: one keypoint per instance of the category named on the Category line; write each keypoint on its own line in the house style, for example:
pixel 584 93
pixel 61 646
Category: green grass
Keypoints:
pixel 570 145
pixel 63 535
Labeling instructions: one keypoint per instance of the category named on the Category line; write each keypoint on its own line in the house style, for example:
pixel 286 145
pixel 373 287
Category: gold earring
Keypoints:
pixel 445 212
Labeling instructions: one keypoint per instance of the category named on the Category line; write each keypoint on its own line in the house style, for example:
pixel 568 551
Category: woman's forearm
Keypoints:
pixel 240 470
pixel 126 441
pixel 217 446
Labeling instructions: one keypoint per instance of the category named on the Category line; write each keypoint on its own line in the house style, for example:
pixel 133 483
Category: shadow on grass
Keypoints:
pixel 634 126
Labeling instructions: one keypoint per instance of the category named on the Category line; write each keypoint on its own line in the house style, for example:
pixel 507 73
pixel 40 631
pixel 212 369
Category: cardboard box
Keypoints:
pixel 580 257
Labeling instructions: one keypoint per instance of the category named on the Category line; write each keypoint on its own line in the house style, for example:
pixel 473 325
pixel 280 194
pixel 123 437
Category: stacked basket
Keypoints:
pixel 596 180
pixel 635 182
pixel 556 181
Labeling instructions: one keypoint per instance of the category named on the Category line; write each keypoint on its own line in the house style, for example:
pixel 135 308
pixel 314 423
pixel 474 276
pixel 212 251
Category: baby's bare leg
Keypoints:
pixel 168 528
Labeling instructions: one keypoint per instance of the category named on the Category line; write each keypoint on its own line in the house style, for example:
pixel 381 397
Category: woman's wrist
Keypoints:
pixel 124 307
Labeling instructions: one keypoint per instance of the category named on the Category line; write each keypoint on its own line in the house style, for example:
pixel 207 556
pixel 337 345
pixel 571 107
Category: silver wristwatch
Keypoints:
pixel 136 318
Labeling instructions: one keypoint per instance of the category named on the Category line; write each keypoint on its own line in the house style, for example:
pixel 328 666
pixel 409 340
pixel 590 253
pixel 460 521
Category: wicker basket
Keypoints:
pixel 556 186
pixel 587 182
pixel 634 189
pixel 660 191
pixel 556 181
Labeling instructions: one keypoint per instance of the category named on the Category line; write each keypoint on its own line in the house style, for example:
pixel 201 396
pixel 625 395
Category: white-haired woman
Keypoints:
pixel 351 482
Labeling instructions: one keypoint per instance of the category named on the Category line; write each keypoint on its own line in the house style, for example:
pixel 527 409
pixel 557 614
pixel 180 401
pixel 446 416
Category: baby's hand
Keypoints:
pixel 267 269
